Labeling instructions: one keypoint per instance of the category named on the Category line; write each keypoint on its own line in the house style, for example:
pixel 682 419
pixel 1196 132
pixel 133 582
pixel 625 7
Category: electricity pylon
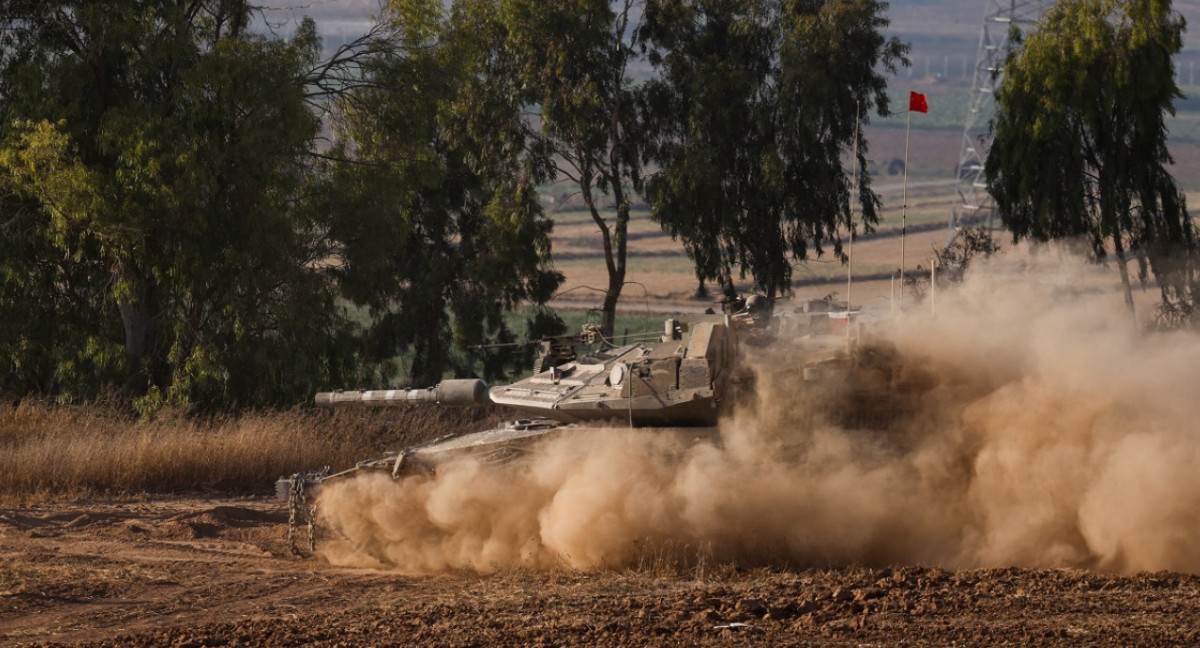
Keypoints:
pixel 973 204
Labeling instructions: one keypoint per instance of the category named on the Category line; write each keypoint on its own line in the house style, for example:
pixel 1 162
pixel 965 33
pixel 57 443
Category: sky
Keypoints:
pixel 338 21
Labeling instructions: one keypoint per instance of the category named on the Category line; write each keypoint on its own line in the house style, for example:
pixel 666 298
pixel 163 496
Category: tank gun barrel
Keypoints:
pixel 466 392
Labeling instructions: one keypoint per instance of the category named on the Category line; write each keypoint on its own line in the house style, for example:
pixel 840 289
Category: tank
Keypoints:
pixel 683 377
pixel 679 380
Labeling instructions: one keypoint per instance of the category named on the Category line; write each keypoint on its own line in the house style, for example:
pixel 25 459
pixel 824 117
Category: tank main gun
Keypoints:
pixel 468 392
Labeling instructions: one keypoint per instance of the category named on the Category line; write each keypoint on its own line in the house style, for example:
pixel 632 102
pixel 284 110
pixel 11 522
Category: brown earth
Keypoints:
pixel 217 572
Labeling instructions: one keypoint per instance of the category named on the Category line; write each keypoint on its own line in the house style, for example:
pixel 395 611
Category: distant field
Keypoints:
pixel 945 37
pixel 659 271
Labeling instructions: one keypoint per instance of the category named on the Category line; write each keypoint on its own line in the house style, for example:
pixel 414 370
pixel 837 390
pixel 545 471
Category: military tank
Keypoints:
pixel 683 378
pixel 679 381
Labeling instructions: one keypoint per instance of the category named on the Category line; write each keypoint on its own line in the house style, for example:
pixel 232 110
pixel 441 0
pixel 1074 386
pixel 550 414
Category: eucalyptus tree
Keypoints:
pixel 51 333
pixel 156 156
pixel 751 114
pixel 565 64
pixel 1080 147
pixel 576 57
pixel 437 225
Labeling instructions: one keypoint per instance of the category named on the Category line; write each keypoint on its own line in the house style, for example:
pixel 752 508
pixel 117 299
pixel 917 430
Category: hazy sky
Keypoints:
pixel 337 20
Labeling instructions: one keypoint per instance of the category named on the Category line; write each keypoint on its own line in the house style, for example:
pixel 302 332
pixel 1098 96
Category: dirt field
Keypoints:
pixel 1080 447
pixel 216 572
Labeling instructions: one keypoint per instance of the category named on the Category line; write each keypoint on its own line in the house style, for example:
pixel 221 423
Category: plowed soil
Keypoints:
pixel 218 572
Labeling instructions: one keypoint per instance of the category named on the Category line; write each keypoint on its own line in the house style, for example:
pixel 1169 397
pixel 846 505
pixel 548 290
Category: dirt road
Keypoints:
pixel 217 572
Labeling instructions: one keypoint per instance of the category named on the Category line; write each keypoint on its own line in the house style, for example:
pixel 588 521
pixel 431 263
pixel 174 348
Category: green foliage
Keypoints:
pixel 157 155
pixel 1080 146
pixel 52 339
pixel 953 260
pixel 567 61
pixel 753 110
pixel 439 231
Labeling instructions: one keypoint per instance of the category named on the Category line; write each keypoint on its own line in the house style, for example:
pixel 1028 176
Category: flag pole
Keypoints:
pixel 904 204
pixel 916 103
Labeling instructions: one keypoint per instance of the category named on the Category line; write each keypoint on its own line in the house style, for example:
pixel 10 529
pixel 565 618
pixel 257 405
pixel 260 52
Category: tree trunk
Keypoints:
pixel 616 281
pixel 616 269
pixel 616 274
pixel 429 359
pixel 137 318
pixel 614 244
pixel 1119 250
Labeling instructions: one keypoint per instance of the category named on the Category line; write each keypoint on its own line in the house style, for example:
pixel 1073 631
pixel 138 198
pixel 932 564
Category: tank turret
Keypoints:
pixel 677 378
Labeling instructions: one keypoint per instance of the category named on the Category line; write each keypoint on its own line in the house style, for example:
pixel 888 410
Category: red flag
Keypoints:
pixel 916 102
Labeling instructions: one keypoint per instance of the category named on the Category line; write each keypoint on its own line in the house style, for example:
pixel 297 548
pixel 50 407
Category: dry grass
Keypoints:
pixel 53 453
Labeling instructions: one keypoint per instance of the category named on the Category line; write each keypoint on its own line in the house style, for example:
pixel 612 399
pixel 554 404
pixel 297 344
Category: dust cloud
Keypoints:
pixel 1031 424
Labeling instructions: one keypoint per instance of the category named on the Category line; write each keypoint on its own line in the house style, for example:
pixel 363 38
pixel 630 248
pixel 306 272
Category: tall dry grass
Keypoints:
pixel 52 452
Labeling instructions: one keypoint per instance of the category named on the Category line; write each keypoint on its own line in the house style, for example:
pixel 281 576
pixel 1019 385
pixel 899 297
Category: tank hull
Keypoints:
pixel 509 441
